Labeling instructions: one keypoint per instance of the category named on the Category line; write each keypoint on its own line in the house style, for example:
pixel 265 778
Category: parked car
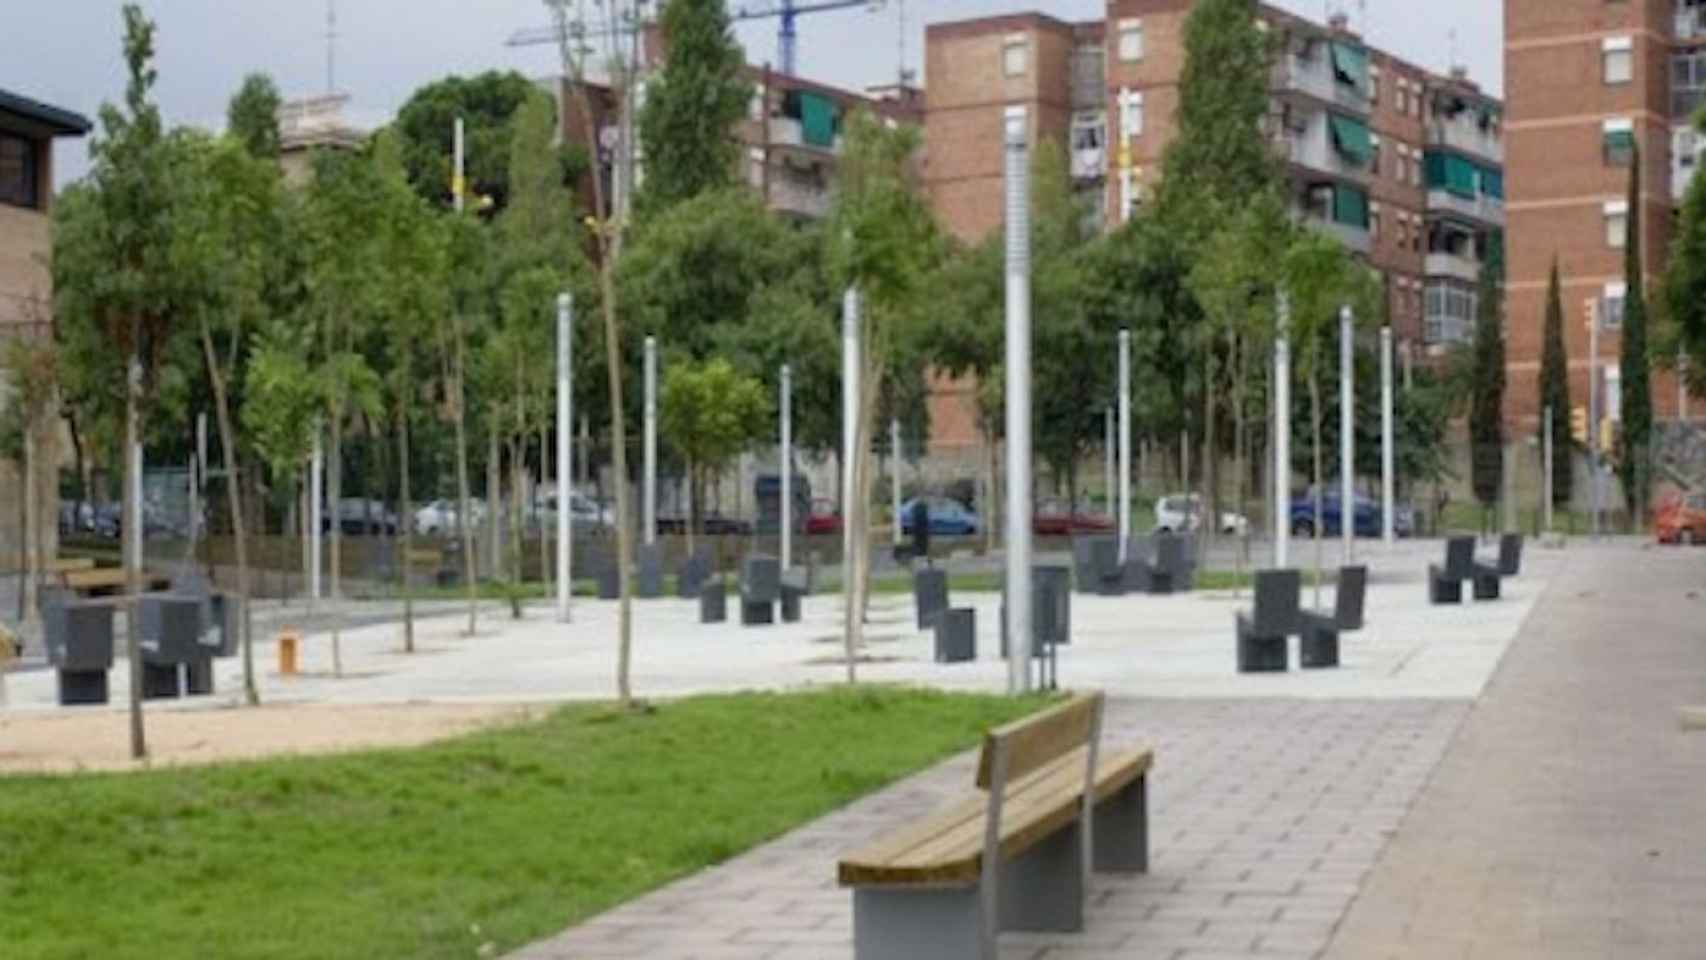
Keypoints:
pixel 948 518
pixel 438 518
pixel 1182 513
pixel 1683 520
pixel 712 524
pixel 823 518
pixel 585 514
pixel 1056 518
pixel 1365 520
pixel 357 516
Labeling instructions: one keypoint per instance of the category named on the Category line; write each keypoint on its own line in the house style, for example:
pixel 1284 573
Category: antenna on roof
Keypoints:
pixel 331 46
pixel 1455 60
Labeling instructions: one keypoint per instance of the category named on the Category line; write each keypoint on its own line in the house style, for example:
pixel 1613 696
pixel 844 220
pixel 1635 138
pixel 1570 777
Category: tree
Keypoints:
pixel 282 401
pixel 882 243
pixel 1555 391
pixel 710 413
pixel 1487 391
pixel 1685 280
pixel 113 278
pixel 1635 363
pixel 608 233
pixel 487 105
pixel 30 367
pixel 691 105
pixel 252 116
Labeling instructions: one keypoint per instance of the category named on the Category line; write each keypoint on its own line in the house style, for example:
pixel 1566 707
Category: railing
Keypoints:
pixel 801 199
pixel 1313 77
pixel 1353 237
pixel 1089 163
pixel 1454 266
pixel 1468 136
pixel 1441 328
pixel 1313 148
pixel 1482 207
pixel 788 132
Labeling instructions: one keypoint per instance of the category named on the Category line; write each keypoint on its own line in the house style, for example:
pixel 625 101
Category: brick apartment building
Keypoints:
pixel 1587 80
pixel 27 132
pixel 1403 165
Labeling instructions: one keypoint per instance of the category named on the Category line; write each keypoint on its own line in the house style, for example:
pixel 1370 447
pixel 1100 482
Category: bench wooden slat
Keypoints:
pixel 1039 739
pixel 946 849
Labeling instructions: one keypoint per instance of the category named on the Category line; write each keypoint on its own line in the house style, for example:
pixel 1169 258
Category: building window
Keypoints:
pixel 1687 82
pixel 1611 307
pixel 1374 221
pixel 1618 54
pixel 1616 224
pixel 1016 56
pixel 1619 142
pixel 1374 86
pixel 18 175
pixel 1130 41
pixel 1374 153
pixel 1131 115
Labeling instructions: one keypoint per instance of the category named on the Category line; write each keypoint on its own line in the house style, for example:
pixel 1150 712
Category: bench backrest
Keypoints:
pixel 1171 554
pixel 1510 554
pixel 1277 599
pixel 761 579
pixel 1348 604
pixel 1460 558
pixel 1027 745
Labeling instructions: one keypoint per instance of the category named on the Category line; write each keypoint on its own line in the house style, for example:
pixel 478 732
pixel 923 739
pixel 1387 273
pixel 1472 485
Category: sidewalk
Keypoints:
pixel 1569 816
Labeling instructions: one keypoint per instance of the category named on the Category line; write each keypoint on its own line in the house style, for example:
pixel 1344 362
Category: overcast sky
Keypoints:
pixel 66 52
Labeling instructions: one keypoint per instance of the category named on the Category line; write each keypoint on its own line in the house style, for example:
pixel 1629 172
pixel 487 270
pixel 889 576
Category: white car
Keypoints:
pixel 584 512
pixel 1180 513
pixel 438 518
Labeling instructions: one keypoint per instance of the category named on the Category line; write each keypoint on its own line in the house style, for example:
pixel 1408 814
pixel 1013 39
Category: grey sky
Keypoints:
pixel 68 50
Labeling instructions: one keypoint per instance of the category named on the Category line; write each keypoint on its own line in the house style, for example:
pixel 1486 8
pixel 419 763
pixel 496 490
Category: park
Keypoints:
pixel 535 528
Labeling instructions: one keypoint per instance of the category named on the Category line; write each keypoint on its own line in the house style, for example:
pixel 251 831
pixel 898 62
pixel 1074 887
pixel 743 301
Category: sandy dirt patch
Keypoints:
pixel 67 741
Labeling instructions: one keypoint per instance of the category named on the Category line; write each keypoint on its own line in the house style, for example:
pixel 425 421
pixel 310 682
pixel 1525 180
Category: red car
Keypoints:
pixel 823 518
pixel 1055 518
pixel 1682 520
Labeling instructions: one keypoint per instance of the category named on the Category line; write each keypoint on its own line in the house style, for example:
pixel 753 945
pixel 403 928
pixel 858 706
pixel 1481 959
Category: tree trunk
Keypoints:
pixel 132 548
pixel 335 467
pixel 692 502
pixel 1315 451
pixel 1240 559
pixel 464 518
pixel 545 573
pixel 619 455
pixel 858 513
pixel 406 521
pixel 29 539
pixel 1209 520
pixel 494 500
pixel 234 500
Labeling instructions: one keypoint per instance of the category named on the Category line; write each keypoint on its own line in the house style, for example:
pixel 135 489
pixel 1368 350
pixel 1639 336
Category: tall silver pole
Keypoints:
pixel 1593 407
pixel 1347 436
pixel 1108 456
pixel 1546 464
pixel 894 475
pixel 650 511
pixel 787 408
pixel 1388 497
pixel 849 425
pixel 565 452
pixel 135 492
pixel 1124 441
pixel 1282 435
pixel 1018 400
pixel 316 510
pixel 459 183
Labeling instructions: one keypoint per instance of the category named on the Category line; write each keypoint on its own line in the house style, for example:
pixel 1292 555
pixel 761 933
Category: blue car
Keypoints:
pixel 1365 520
pixel 948 518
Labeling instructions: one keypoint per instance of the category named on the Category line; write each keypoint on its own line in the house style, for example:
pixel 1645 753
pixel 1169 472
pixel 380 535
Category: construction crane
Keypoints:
pixel 787 35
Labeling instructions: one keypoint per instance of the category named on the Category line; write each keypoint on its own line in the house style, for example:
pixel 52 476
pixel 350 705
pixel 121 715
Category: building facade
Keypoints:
pixel 1588 81
pixel 1402 165
pixel 27 132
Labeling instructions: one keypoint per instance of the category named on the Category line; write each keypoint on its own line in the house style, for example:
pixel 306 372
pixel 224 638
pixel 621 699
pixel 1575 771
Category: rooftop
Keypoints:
pixel 38 117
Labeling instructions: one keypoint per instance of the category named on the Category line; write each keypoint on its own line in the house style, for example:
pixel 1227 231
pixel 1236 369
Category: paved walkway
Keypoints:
pixel 1568 820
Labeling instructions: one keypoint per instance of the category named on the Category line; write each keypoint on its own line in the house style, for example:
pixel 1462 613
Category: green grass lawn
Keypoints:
pixel 517 832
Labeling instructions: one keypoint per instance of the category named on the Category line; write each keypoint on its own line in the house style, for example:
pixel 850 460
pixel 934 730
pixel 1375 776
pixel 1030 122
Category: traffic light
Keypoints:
pixel 1579 425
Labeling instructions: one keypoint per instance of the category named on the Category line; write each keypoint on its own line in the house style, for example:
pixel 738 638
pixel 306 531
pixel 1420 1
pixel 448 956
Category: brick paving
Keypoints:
pixel 1266 815
pixel 1568 819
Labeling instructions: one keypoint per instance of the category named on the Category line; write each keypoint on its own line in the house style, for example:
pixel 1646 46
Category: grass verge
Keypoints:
pixel 496 838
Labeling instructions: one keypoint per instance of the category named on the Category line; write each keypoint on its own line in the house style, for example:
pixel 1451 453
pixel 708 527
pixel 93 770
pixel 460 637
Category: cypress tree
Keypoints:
pixel 1633 364
pixel 1487 403
pixel 692 106
pixel 1555 391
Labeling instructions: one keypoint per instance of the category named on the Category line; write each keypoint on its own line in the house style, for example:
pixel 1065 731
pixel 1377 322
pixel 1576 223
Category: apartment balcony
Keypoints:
pixel 789 134
pixel 1312 149
pixel 1089 163
pixel 799 198
pixel 1354 238
pixel 1466 135
pixel 1453 266
pixel 1691 22
pixel 1439 329
pixel 1480 209
pixel 1312 78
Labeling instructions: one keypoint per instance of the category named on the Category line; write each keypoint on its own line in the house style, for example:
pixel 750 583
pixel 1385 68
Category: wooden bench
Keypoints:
pixel 69 564
pixel 109 581
pixel 1014 857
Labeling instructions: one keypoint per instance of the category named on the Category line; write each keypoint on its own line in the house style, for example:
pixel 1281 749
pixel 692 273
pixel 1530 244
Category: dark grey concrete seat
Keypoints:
pixel 695 570
pixel 1170 571
pixel 760 588
pixel 1318 633
pixel 609 574
pixel 956 635
pixel 78 636
pixel 713 601
pixel 1262 633
pixel 648 571
pixel 1510 555
pixel 1139 562
pixel 174 659
pixel 929 595
pixel 1445 584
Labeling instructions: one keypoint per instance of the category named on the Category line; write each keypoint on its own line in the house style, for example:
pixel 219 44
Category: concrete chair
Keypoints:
pixel 929 595
pixel 78 636
pixel 760 588
pixel 1318 633
pixel 1262 633
pixel 1445 584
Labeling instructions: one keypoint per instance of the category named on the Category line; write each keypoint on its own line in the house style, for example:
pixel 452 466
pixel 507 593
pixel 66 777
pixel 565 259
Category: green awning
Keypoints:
pixel 1350 206
pixel 1350 64
pixel 1351 138
pixel 1493 183
pixel 1620 139
pixel 1455 174
pixel 817 120
pixel 1460 176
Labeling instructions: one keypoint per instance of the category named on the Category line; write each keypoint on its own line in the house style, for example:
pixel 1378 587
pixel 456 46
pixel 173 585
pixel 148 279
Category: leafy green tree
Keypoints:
pixel 883 243
pixel 1635 363
pixel 1685 280
pixel 710 413
pixel 30 367
pixel 1487 396
pixel 692 103
pixel 113 278
pixel 1555 391
pixel 252 116
pixel 488 104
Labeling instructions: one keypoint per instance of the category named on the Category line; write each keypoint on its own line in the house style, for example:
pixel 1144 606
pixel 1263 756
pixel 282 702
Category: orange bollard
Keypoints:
pixel 288 641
